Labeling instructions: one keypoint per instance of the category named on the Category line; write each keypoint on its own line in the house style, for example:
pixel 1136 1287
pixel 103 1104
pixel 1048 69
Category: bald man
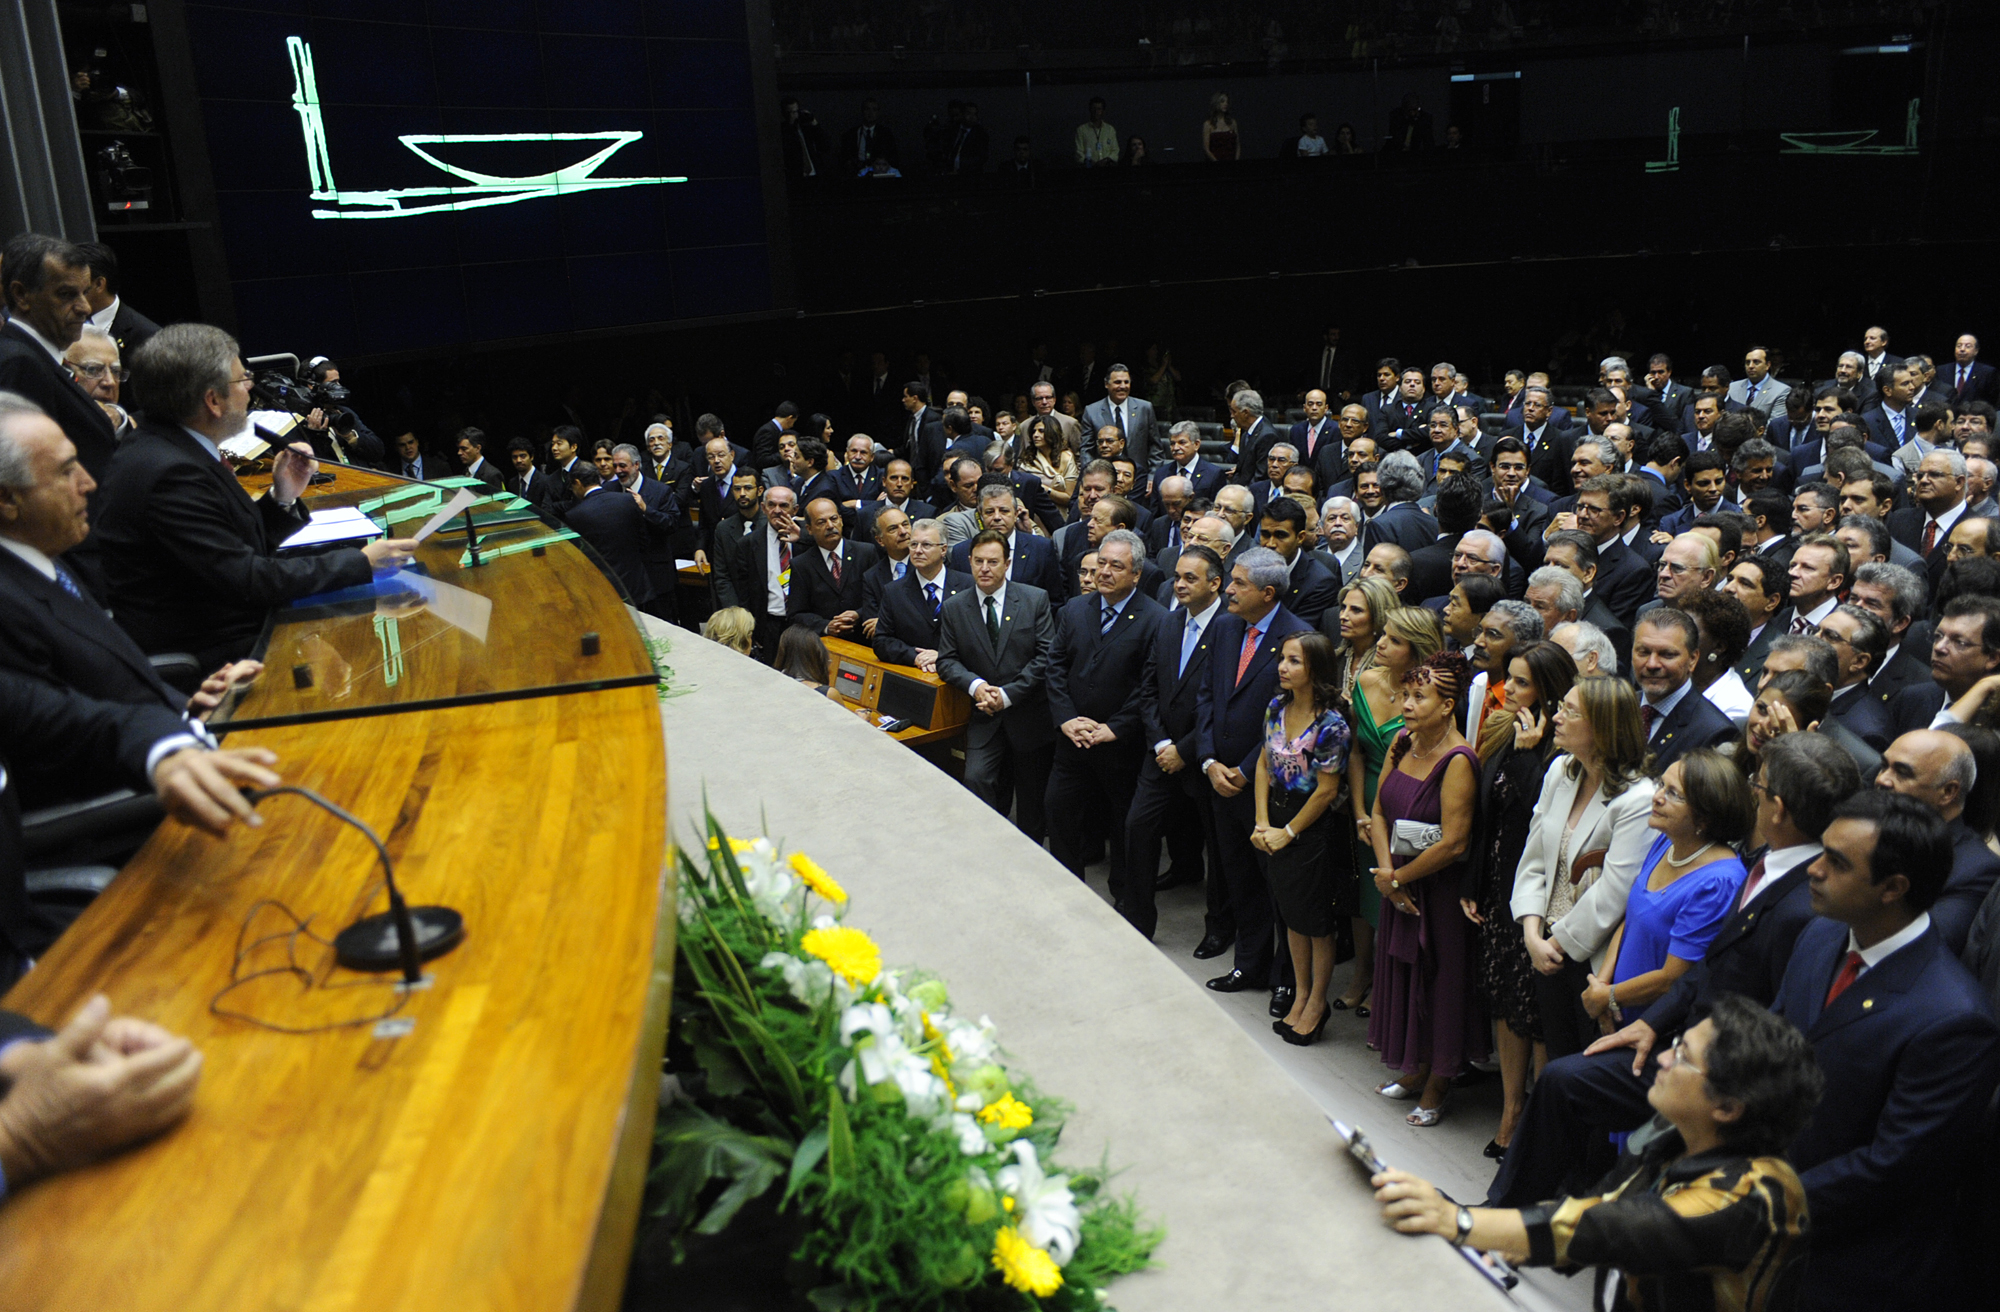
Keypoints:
pixel 1937 769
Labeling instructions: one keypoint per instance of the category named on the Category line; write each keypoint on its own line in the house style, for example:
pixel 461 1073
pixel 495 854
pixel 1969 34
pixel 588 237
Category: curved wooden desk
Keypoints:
pixel 491 1158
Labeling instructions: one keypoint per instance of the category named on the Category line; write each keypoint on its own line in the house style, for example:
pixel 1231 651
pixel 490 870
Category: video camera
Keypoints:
pixel 295 390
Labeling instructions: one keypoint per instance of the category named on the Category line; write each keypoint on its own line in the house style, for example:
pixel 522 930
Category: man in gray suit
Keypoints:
pixel 1131 415
pixel 1757 389
pixel 993 645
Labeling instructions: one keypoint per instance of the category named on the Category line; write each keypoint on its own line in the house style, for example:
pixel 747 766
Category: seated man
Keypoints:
pixel 1939 771
pixel 190 560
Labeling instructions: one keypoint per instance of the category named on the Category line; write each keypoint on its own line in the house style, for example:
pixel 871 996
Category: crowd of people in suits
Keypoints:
pixel 1573 726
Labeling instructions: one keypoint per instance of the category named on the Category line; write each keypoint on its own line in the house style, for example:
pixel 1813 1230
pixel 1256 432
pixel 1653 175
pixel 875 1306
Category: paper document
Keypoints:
pixel 344 524
pixel 456 505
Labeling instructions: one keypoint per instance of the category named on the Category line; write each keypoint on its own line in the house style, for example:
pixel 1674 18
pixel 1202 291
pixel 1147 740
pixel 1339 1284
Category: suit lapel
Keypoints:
pixel 1868 994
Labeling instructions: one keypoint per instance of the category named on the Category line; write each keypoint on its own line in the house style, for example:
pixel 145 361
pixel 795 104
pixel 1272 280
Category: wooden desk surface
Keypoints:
pixel 491 1159
pixel 914 736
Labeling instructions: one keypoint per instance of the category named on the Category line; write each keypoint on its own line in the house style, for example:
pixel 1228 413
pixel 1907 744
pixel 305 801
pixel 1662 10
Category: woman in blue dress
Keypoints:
pixel 1686 887
pixel 1298 778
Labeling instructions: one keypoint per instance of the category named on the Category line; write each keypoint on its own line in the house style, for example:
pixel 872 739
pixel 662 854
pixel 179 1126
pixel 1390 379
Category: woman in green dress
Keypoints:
pixel 1411 635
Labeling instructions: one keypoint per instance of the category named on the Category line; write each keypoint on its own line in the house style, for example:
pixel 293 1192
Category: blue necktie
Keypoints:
pixel 897 567
pixel 1189 638
pixel 1110 617
pixel 931 594
pixel 68 584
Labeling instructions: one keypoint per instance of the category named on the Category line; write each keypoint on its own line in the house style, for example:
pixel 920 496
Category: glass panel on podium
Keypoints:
pixel 535 614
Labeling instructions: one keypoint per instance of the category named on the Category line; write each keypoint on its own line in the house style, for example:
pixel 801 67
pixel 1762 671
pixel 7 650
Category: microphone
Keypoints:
pixel 401 938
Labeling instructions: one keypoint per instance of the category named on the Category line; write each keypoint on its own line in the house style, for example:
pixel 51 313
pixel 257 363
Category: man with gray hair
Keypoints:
pixel 95 362
pixel 1898 598
pixel 1506 627
pixel 1254 436
pixel 1096 676
pixel 1556 596
pixel 189 560
pixel 1587 645
pixel 1925 528
pixel 1340 520
pixel 662 513
pixel 1980 475
pixel 47 281
pixel 1401 521
pixel 1242 678
pixel 1184 460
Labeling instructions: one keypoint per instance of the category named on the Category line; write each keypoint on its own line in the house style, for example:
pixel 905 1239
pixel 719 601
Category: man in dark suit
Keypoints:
pixel 1096 665
pixel 1937 770
pixel 1670 398
pixel 108 309
pixel 1313 588
pixel 1550 445
pixel 1579 1099
pixel 1317 439
pixel 753 558
pixel 1254 437
pixel 663 518
pixel 1925 528
pixel 190 562
pixel 1624 581
pixel 1169 780
pixel 1030 559
pixel 1229 735
pixel 1859 642
pixel 1678 719
pixel 1458 503
pixel 906 623
pixel 857 480
pixel 919 434
pixel 1968 380
pixel 993 645
pixel 1762 587
pixel 612 519
pixel 1897 597
pixel 47 307
pixel 829 577
pixel 1909 1051
pixel 1400 523
pixel 899 482
pixel 524 481
pixel 472 459
pixel 1184 450
pixel 1399 425
pixel 764 442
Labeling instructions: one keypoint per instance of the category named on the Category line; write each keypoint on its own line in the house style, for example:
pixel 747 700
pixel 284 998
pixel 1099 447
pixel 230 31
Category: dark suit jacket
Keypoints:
pixel 764 444
pixel 852 487
pixel 1029 491
pixel 1097 674
pixel 1620 633
pixel 534 487
pixel 1748 955
pixel 1207 479
pixel 1974 870
pixel 1402 523
pixel 1909 1054
pixel 27 369
pixel 1252 446
pixel 1314 590
pixel 903 619
pixel 1549 459
pixel 1624 581
pixel 1033 562
pixel 91 747
pixel 864 518
pixel 740 575
pixel 1751 667
pixel 814 598
pixel 1229 713
pixel 1167 694
pixel 1018 666
pixel 1692 724
pixel 1979 387
pixel 130 329
pixel 1430 569
pixel 489 473
pixel 1907 527
pixel 1401 424
pixel 189 560
pixel 617 530
pixel 1864 716
pixel 1909 666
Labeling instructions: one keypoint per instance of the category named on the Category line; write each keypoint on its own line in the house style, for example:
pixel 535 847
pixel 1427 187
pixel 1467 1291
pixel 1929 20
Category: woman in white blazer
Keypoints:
pixel 1569 901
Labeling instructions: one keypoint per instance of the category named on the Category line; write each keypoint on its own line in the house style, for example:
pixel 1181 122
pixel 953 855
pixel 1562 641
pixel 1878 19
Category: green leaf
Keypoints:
pixel 696 1150
pixel 839 1136
pixel 811 1149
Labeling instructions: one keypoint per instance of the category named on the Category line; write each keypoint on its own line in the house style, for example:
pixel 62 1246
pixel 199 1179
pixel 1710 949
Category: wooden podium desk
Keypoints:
pixel 493 1157
pixel 879 688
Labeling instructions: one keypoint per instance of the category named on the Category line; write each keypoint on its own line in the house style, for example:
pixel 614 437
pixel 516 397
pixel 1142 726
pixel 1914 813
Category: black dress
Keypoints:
pixel 1509 783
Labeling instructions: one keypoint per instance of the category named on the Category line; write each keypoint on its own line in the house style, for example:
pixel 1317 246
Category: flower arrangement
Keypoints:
pixel 917 1168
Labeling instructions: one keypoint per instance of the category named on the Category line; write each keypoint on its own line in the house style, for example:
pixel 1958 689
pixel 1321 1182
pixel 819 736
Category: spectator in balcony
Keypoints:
pixel 1344 142
pixel 1310 143
pixel 1096 140
pixel 869 140
pixel 968 144
pixel 806 153
pixel 1219 138
pixel 1020 166
pixel 1410 126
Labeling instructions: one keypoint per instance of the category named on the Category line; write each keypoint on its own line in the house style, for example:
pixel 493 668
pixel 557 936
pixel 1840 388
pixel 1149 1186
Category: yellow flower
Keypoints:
pixel 815 877
pixel 1008 1112
pixel 1024 1266
pixel 851 953
pixel 736 845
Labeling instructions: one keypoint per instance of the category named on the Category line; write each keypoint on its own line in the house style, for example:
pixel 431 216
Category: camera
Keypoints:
pixel 274 389
pixel 125 185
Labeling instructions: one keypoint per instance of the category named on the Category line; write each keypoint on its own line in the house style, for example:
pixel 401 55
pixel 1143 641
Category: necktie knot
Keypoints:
pixel 67 583
pixel 1648 715
pixel 1850 970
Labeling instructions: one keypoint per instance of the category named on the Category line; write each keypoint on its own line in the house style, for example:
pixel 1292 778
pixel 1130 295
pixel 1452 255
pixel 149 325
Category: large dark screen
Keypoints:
pixel 395 175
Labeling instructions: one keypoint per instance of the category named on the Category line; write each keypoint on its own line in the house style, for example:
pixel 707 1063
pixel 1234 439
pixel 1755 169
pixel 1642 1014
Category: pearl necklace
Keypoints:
pixel 1678 862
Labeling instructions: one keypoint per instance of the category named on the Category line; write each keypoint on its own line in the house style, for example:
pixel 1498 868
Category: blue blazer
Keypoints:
pixel 1911 1056
pixel 1228 715
pixel 1034 563
pixel 1208 479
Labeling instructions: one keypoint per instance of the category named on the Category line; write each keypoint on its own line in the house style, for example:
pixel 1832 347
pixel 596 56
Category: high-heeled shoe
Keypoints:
pixel 1425 1117
pixel 1399 1091
pixel 1306 1039
pixel 1359 1006
pixel 1494 1149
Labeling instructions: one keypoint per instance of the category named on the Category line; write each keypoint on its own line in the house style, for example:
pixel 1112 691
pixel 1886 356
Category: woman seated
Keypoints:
pixel 1701 1210
pixel 1685 890
pixel 733 627
pixel 803 656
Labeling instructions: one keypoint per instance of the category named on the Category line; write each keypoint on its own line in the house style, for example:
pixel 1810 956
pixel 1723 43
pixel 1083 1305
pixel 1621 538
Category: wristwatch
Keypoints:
pixel 1464 1226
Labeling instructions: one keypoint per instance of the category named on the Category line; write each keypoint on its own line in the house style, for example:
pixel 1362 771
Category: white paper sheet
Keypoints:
pixel 342 524
pixel 466 496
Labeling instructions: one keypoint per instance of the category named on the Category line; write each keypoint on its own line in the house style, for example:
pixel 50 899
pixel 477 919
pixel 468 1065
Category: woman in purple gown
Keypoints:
pixel 1425 1022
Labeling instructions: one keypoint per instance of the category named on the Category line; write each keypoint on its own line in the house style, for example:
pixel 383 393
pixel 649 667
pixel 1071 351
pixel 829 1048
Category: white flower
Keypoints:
pixel 1044 1210
pixel 810 982
pixel 971 1139
pixel 770 882
pixel 969 1102
pixel 971 1045
pixel 887 1057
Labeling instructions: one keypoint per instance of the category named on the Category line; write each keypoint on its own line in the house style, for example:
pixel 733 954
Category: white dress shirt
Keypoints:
pixel 1872 957
pixel 1778 862
pixel 774 587
pixel 999 595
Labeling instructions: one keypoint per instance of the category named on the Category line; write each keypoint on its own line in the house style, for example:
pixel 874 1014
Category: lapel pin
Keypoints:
pixel 1866 1003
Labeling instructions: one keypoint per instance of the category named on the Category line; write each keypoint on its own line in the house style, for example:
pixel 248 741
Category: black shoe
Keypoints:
pixel 1494 1150
pixel 1307 1039
pixel 1234 982
pixel 1213 946
pixel 1281 1000
pixel 1175 879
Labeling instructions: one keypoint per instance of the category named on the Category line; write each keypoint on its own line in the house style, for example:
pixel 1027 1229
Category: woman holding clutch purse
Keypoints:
pixel 1586 842
pixel 1425 1023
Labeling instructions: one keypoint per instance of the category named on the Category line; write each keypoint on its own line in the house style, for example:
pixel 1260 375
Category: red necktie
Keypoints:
pixel 833 566
pixel 1849 972
pixel 1930 536
pixel 1249 650
pixel 1648 714
pixel 1750 884
pixel 784 555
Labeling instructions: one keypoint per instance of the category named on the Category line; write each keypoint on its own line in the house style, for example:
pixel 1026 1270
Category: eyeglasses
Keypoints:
pixel 1671 794
pixel 96 369
pixel 1680 1056
pixel 1759 786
